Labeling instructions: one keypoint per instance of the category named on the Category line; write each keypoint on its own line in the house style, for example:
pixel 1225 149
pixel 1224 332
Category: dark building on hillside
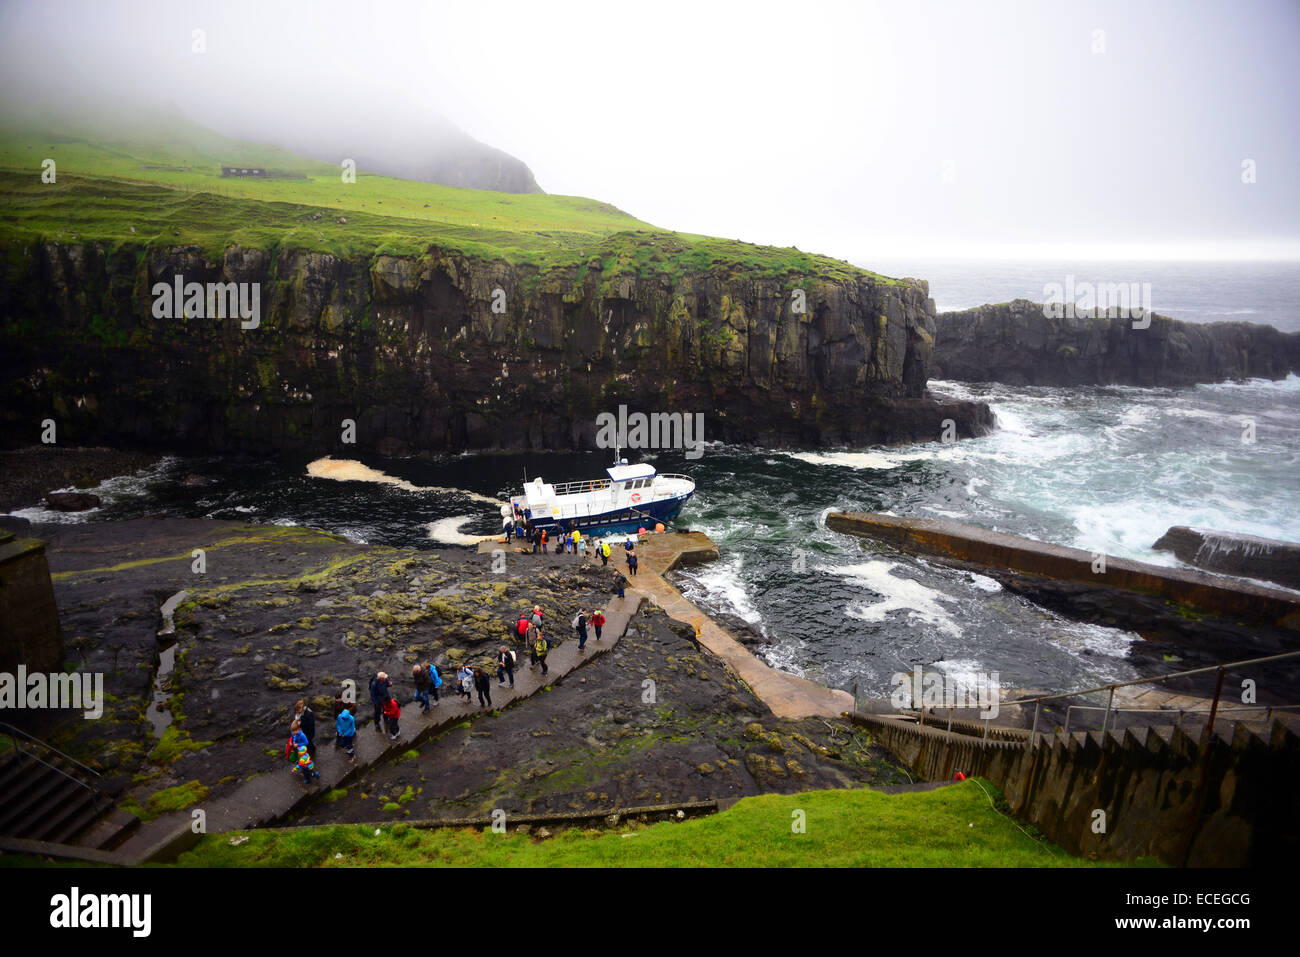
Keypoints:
pixel 243 171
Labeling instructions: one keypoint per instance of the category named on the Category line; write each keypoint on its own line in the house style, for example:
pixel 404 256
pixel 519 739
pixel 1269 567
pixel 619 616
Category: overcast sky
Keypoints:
pixel 855 129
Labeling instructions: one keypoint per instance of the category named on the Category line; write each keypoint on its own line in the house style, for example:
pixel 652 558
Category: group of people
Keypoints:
pixel 568 540
pixel 300 750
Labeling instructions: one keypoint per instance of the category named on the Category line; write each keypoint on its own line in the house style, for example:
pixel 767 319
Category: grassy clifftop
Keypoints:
pixel 160 188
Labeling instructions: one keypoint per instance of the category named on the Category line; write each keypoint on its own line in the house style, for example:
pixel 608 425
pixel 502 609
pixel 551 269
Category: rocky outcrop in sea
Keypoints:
pixel 1018 343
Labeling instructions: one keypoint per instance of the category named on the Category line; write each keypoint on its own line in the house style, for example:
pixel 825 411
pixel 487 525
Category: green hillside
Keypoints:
pixel 163 186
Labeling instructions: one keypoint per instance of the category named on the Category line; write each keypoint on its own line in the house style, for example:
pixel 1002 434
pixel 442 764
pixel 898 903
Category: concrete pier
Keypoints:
pixel 789 696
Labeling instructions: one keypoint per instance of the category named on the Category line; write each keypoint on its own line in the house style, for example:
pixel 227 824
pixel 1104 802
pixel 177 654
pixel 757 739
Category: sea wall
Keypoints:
pixel 1015 343
pixel 964 543
pixel 444 352
pixel 1221 801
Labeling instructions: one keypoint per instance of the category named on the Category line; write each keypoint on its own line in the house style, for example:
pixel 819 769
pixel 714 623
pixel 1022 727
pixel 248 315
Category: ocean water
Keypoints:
pixel 1107 469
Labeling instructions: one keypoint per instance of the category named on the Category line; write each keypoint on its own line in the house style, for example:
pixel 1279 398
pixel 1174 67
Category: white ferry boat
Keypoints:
pixel 629 498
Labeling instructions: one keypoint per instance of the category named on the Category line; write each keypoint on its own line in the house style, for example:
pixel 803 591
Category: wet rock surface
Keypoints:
pixel 275 615
pixel 594 741
pixel 27 474
pixel 1248 556
pixel 72 501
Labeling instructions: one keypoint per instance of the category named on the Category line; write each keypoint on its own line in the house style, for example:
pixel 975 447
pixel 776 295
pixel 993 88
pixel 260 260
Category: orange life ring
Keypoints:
pixel 636 497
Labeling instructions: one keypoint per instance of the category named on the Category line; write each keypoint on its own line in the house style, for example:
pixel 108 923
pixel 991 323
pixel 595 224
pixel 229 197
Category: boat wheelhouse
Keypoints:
pixel 631 497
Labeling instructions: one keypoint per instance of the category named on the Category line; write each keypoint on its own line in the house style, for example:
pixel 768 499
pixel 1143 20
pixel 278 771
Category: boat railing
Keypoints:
pixel 576 488
pixel 676 475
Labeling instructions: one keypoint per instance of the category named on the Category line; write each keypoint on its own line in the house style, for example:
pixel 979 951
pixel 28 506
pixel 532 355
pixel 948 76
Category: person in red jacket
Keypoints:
pixel 392 711
pixel 598 621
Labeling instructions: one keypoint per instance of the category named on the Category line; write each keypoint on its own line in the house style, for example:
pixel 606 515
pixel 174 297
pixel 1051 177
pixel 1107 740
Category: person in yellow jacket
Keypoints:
pixel 604 553
pixel 575 537
pixel 540 648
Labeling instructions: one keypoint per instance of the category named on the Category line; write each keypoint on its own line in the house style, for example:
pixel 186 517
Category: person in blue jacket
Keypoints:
pixel 435 680
pixel 346 726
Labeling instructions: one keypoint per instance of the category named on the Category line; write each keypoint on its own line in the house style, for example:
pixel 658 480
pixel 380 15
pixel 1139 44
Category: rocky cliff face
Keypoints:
pixel 445 353
pixel 1015 343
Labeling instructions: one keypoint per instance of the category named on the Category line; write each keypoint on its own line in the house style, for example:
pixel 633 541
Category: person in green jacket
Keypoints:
pixel 540 648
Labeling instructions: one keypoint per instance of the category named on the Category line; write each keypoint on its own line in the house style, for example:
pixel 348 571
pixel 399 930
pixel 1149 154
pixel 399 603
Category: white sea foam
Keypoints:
pixel 448 530
pixel 852 460
pixel 111 490
pixel 39 514
pixel 984 583
pixel 946 512
pixel 349 470
pixel 724 586
pixel 1290 384
pixel 900 594
pixel 963 673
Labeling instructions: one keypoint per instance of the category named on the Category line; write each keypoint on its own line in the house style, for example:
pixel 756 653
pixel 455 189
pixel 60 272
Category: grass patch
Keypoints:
pixel 174 799
pixel 173 743
pixel 948 827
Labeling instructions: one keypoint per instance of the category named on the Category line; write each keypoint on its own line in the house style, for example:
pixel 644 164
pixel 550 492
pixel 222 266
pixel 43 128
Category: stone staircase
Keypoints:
pixel 1224 798
pixel 49 798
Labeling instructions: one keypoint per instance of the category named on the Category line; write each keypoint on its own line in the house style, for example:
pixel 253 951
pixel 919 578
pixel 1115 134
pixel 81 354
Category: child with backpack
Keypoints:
pixel 392 712
pixel 304 763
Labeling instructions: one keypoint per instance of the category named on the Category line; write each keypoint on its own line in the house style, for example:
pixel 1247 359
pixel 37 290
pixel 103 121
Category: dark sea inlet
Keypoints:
pixel 1107 469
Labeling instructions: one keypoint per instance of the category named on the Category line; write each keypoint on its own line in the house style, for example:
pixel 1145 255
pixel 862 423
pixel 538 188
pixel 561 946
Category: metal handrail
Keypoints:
pixel 587 485
pixel 13 734
pixel 1266 708
pixel 1153 678
pixel 1214 707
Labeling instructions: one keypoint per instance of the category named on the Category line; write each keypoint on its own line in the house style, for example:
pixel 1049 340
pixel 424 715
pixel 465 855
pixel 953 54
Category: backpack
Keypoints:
pixel 576 619
pixel 290 751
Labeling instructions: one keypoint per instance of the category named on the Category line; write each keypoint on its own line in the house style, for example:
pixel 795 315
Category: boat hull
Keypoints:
pixel 618 521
